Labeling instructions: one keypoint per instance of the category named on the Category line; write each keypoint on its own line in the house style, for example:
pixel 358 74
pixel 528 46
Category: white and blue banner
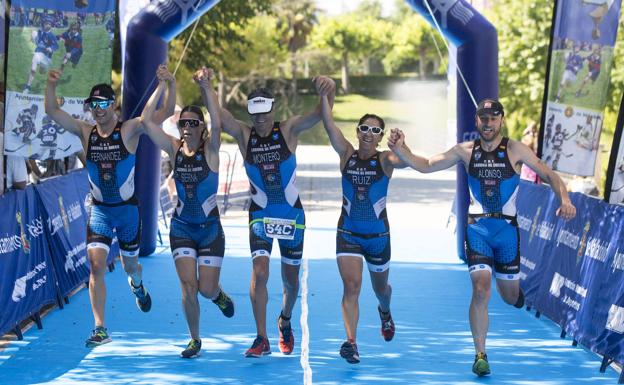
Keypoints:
pixel 573 272
pixel 28 279
pixel 66 224
pixel 579 74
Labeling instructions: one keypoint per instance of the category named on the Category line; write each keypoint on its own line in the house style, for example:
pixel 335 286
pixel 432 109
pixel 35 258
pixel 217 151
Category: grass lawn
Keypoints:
pixel 93 67
pixel 418 108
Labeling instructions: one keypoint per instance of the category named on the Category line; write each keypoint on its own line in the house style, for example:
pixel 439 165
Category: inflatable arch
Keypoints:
pixel 149 32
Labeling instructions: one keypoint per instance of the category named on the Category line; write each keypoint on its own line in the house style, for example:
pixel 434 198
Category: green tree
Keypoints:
pixel 351 36
pixel 413 38
pixel 296 19
pixel 523 35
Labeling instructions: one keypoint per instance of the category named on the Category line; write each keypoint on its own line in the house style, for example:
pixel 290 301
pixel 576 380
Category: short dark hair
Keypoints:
pixel 382 124
pixel 194 109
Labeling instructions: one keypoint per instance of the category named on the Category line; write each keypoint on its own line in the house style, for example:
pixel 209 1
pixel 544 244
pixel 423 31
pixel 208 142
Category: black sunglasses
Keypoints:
pixel 363 128
pixel 189 122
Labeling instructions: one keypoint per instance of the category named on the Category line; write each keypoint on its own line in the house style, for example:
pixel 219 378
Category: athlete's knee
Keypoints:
pixel 352 286
pixel 209 289
pixel 481 291
pixel 260 273
pixel 189 287
pixel 131 265
pixel 98 265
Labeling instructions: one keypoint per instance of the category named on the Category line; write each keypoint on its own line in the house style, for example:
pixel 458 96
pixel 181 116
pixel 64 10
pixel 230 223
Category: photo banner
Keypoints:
pixel 614 185
pixel 74 36
pixel 582 46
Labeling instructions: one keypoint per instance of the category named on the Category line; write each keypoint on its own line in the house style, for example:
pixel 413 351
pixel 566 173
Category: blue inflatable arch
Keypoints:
pixel 150 31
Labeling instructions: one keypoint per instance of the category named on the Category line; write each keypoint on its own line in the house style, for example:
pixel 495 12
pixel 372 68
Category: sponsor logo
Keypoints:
pixel 477 155
pixel 116 136
pixel 351 162
pixel 254 141
pixel 527 263
pixel 19 287
pixel 64 215
pixel 72 265
pixel 275 136
pixel 25 241
pixel 596 249
pixel 198 157
pixel 545 230
pixel 615 319
pixel 556 284
pixel 534 225
pixel 501 154
pixel 583 244
pixel 373 163
pixel 524 223
pixel 618 260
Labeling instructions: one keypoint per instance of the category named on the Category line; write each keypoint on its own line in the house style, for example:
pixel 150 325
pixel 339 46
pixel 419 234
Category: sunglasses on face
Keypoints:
pixel 103 104
pixel 363 128
pixel 189 122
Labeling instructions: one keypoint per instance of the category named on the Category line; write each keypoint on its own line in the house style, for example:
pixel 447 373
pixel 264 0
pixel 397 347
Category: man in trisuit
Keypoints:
pixel 276 211
pixel 110 146
pixel 493 164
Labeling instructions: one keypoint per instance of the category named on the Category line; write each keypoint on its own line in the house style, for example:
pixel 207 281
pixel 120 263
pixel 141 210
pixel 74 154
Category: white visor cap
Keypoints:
pixel 259 105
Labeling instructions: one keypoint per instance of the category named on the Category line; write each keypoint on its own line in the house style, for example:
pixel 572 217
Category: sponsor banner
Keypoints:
pixel 603 330
pixel 28 280
pixel 580 265
pixel 70 35
pixel 66 226
pixel 583 40
pixel 536 225
pixel 563 290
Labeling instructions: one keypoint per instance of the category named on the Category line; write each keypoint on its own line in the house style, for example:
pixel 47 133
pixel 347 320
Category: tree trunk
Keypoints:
pixel 221 89
pixel 345 72
pixel 293 71
pixel 422 65
pixel 306 68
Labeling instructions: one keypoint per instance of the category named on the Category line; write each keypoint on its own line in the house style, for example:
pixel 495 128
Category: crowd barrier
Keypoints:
pixel 573 271
pixel 43 255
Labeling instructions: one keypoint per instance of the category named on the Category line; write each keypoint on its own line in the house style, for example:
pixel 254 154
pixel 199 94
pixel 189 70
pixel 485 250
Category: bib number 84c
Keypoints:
pixel 280 228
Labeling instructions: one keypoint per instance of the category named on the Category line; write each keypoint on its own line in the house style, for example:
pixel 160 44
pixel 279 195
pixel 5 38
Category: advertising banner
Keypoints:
pixel 73 36
pixel 579 76
pixel 28 280
pixel 66 228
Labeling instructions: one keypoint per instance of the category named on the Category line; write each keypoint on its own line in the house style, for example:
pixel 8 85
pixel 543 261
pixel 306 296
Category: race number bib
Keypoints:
pixel 280 228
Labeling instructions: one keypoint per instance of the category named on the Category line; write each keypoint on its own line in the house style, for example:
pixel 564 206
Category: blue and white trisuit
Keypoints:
pixel 111 177
pixel 275 211
pixel 363 227
pixel 196 230
pixel 492 239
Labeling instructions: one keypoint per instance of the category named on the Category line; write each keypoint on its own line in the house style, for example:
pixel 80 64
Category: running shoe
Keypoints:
pixel 192 349
pixel 259 348
pixel 143 299
pixel 481 367
pixel 99 336
pixel 349 352
pixel 225 304
pixel 387 325
pixel 286 337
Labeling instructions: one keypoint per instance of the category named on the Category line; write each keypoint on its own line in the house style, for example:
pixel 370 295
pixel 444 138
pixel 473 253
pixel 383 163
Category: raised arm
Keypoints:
pixel 54 111
pixel 167 107
pixel 152 128
pixel 438 162
pixel 525 155
pixel 336 137
pixel 203 78
pixel 299 123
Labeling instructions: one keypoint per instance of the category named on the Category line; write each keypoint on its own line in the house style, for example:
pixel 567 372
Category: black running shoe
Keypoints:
pixel 143 298
pixel 225 304
pixel 192 350
pixel 481 367
pixel 99 336
pixel 349 352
